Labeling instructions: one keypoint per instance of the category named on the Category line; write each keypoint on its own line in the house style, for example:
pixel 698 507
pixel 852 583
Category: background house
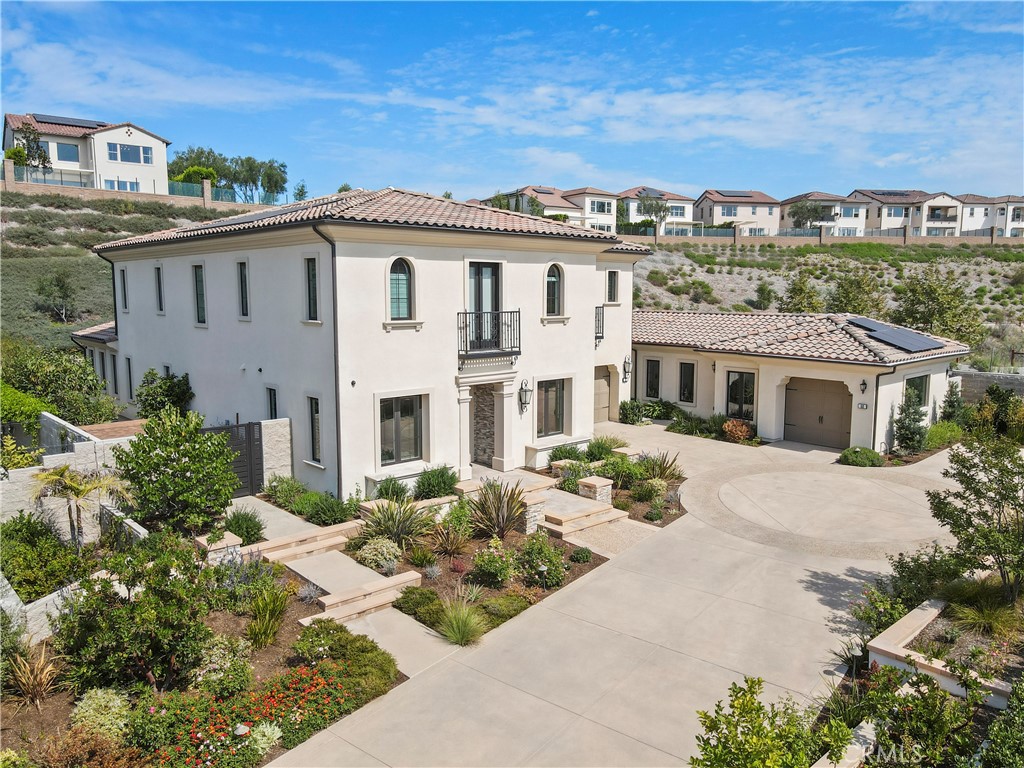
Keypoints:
pixel 752 212
pixel 841 216
pixel 396 330
pixel 680 209
pixel 584 206
pixel 833 380
pixel 93 154
pixel 927 214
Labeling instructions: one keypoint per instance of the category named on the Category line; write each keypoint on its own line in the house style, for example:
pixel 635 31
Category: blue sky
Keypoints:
pixel 473 97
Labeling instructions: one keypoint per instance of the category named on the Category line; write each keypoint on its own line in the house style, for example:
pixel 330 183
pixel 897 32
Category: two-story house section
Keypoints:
pixel 923 214
pixel 598 207
pixel 396 330
pixel 680 220
pixel 585 206
pixel 93 154
pixel 753 213
pixel 840 216
pixel 1009 221
pixel 977 214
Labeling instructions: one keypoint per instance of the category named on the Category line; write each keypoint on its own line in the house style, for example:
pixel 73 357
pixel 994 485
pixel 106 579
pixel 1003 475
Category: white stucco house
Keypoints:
pixel 96 155
pixel 584 206
pixel 752 212
pixel 833 380
pixel 396 330
pixel 841 216
pixel 924 214
pixel 680 219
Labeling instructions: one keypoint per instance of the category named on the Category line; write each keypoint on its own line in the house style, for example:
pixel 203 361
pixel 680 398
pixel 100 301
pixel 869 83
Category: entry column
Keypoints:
pixel 465 434
pixel 504 439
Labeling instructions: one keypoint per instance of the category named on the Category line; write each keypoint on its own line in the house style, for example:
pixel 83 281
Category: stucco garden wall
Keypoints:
pixel 974 383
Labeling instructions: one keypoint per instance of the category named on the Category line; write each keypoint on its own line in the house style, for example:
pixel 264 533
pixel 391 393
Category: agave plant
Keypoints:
pixel 658 466
pixel 401 522
pixel 498 509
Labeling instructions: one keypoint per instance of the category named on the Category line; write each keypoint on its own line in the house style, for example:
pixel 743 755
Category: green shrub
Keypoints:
pixel 450 538
pixel 33 558
pixel 401 522
pixel 600 448
pixel 658 466
pixel 283 491
pixel 1006 735
pixel 224 668
pixel 156 392
pixel 581 555
pixel 497 509
pixel 462 623
pixel 8 757
pixel 392 489
pixel 572 473
pixel 436 483
pixel 622 471
pixel 923 575
pixel 500 609
pixel 421 557
pixel 246 523
pixel 908 432
pixel 268 608
pixel 431 614
pixel 321 508
pixel 460 516
pixel 649 490
pixel 631 412
pixel 378 551
pixel 623 502
pixel 494 565
pixel 654 514
pixel 102 710
pixel 716 424
pixel 660 409
pixel 857 456
pixel 942 433
pixel 565 453
pixel 12 643
pixel 878 611
pixel 537 551
pixel 22 408
pixel 327 639
pixel 414 598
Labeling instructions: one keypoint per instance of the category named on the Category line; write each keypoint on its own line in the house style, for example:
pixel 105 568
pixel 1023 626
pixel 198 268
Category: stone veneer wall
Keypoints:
pixel 277 447
pixel 483 423
pixel 974 383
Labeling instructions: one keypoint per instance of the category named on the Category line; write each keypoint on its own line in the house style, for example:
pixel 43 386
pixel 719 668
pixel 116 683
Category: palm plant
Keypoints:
pixel 498 509
pixel 75 488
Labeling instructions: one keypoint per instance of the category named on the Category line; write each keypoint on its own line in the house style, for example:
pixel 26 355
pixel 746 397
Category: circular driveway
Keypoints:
pixel 818 509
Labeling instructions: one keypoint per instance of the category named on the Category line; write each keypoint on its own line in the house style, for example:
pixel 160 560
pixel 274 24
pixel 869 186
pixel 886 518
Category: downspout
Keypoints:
pixel 874 421
pixel 334 321
pixel 113 289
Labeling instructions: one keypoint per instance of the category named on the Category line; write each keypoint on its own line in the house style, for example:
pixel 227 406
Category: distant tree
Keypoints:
pixel 938 303
pixel 57 295
pixel 908 432
pixel 859 293
pixel 196 174
pixel 299 192
pixel 653 208
pixel 273 177
pixel 156 392
pixel 621 214
pixel 500 201
pixel 346 187
pixel 36 153
pixel 447 195
pixel 764 295
pixel 17 154
pixel 201 157
pixel 804 212
pixel 535 207
pixel 801 296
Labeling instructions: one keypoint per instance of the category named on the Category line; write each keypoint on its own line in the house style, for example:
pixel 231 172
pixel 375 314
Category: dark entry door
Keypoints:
pixel 485 305
pixel 246 440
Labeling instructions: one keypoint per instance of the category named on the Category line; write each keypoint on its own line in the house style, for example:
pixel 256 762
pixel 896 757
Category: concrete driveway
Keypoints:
pixel 611 670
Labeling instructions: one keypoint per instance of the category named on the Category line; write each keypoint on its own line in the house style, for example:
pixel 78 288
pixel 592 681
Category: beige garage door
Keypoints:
pixel 818 412
pixel 602 393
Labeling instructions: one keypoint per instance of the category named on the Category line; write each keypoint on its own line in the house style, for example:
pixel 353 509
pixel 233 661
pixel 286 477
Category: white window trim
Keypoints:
pixel 163 289
pixel 306 319
pixel 568 409
pixel 122 273
pixel 415 323
pixel 563 316
pixel 618 288
pixel 307 450
pixel 927 388
pixel 414 466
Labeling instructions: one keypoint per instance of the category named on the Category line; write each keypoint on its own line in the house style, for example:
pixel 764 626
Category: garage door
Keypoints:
pixel 602 393
pixel 818 412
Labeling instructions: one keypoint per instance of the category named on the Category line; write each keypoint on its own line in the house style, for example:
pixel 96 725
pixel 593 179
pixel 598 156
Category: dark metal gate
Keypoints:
pixel 246 440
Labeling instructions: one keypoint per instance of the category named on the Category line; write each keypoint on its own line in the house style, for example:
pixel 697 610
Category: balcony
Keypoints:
pixel 488 334
pixel 941 218
pixel 598 323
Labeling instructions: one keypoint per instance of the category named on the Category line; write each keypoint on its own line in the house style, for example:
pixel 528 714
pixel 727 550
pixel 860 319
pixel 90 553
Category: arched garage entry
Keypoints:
pixel 818 411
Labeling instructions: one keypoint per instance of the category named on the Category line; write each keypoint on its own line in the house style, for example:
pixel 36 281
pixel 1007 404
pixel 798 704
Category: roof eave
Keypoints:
pixel 875 363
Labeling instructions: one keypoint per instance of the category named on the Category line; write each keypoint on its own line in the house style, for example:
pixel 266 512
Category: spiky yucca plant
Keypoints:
pixel 498 509
pixel 401 522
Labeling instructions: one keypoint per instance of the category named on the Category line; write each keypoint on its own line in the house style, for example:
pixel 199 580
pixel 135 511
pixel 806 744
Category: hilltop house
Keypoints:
pixel 751 212
pixel 928 214
pixel 833 380
pixel 396 330
pixel 1004 214
pixel 841 216
pixel 680 209
pixel 93 154
pixel 584 206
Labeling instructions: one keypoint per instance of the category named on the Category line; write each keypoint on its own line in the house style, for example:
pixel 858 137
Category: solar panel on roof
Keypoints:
pixel 892 192
pixel 868 324
pixel 247 219
pixel 73 121
pixel 540 191
pixel 901 338
pixel 734 193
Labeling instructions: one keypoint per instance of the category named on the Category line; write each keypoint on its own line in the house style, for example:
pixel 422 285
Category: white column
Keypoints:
pixel 465 434
pixel 505 451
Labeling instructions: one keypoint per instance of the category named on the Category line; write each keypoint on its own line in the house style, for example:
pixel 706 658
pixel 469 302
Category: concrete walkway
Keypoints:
pixel 611 670
pixel 277 522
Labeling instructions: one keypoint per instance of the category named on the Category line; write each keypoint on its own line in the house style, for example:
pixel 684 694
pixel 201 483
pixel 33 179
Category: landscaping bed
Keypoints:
pixel 641 511
pixel 36 561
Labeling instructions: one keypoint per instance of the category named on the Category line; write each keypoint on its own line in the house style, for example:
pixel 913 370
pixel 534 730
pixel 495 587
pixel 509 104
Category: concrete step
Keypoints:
pixel 397 582
pixel 579 509
pixel 304 549
pixel 582 523
pixel 377 601
pixel 349 529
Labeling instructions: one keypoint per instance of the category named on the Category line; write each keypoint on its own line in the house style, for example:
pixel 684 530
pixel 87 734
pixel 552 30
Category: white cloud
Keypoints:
pixel 980 18
pixel 591 13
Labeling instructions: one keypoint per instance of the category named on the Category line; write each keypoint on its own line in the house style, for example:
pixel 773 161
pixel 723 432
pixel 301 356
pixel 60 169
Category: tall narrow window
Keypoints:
pixel 158 273
pixel 199 283
pixel 113 371
pixel 271 403
pixel 401 290
pixel 740 395
pixel 131 381
pixel 243 289
pixel 401 429
pixel 311 303
pixel 314 429
pixel 550 407
pixel 687 378
pixel 553 292
pixel 124 290
pixel 613 287
pixel 103 367
pixel 653 383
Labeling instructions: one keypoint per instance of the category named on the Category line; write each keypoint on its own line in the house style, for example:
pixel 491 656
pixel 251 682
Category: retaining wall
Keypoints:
pixel 826 240
pixel 974 383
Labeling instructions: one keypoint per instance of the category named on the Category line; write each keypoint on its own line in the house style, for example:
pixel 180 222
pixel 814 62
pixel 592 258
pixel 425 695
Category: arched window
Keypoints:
pixel 553 292
pixel 401 290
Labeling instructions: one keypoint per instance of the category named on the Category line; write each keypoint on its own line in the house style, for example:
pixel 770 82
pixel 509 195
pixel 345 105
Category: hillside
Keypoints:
pixel 724 277
pixel 45 235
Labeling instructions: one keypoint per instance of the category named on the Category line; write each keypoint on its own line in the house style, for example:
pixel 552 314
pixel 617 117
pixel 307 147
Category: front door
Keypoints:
pixel 484 304
pixel 602 393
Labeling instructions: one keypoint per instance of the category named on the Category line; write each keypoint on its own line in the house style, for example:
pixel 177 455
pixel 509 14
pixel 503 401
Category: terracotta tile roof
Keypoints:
pixel 816 197
pixel 549 197
pixel 747 197
pixel 586 191
pixel 976 199
pixel 828 338
pixel 104 333
pixel 629 248
pixel 391 207
pixel 897 196
pixel 70 129
pixel 1010 199
pixel 634 192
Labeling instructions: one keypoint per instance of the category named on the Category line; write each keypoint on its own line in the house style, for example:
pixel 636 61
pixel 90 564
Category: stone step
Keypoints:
pixel 579 508
pixel 311 547
pixel 374 602
pixel 581 524
pixel 348 529
pixel 397 582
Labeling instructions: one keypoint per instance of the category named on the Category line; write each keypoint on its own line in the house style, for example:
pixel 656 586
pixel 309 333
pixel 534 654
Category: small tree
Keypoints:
pixel 986 512
pixel 178 474
pixel 908 432
pixel 36 154
pixel 346 187
pixel 76 488
pixel 804 212
pixel 621 215
pixel 57 295
pixel 196 174
pixel 447 195
pixel 858 293
pixel 156 392
pixel 801 296
pixel 653 208
pixel 938 303
pixel 18 154
pixel 953 404
pixel 536 208
pixel 300 192
pixel 764 295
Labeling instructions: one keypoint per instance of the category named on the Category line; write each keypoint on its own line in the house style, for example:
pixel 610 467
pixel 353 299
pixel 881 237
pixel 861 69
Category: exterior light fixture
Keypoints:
pixel 543 571
pixel 525 395
pixel 863 386
pixel 627 368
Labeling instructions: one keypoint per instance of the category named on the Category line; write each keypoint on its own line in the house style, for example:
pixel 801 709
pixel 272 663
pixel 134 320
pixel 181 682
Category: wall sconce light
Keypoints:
pixel 627 368
pixel 714 366
pixel 525 395
pixel 863 386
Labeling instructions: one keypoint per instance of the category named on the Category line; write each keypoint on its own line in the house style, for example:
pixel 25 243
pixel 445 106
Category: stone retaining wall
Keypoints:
pixel 974 383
